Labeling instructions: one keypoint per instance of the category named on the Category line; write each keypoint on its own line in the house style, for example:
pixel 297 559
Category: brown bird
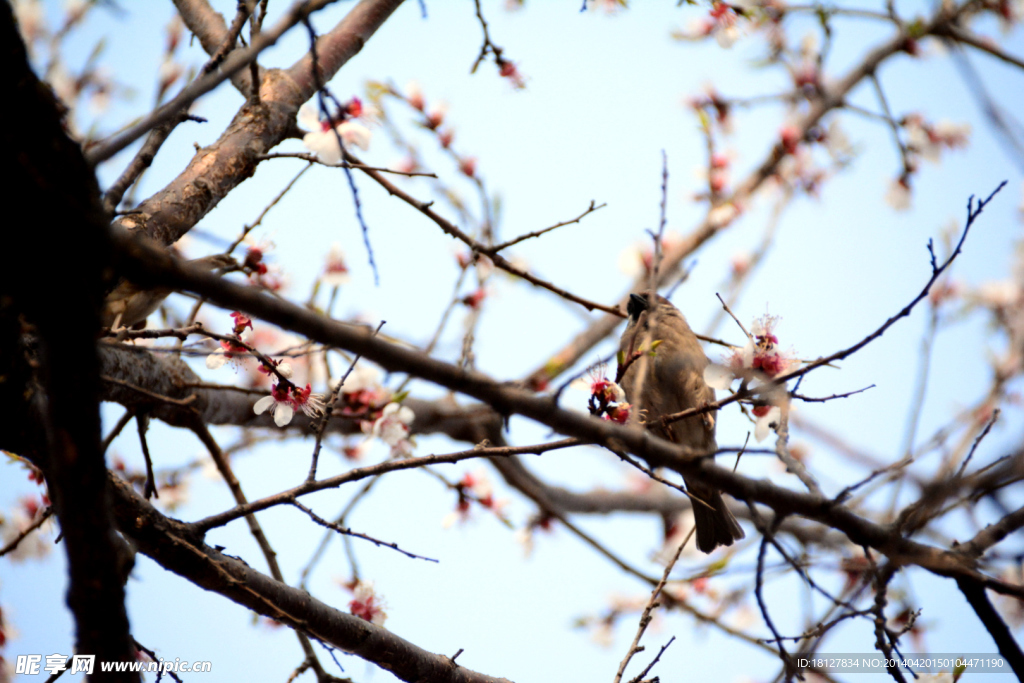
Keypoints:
pixel 669 381
pixel 128 305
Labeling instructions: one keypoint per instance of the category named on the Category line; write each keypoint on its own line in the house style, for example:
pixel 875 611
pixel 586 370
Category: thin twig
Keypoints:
pixel 537 233
pixel 499 260
pixel 733 316
pixel 645 617
pixel 356 534
pixel 23 534
pixel 312 158
pixel 973 211
pixel 321 422
pixel 285 497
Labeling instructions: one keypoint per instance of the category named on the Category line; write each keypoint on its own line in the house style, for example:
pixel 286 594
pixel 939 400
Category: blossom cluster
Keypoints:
pixel 324 133
pixel 474 487
pixel 285 398
pixel 367 604
pixel 607 399
pixel 760 360
pixel 15 524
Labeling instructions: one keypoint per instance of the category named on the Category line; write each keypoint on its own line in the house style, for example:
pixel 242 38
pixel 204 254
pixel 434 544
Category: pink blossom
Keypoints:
pixel 242 321
pixel 322 139
pixel 19 520
pixel 435 117
pixel 229 350
pixel 280 367
pixel 607 399
pixel 768 418
pixel 790 136
pixel 619 412
pixel 606 391
pixel 392 427
pixel 761 355
pixel 367 605
pixel 285 398
pixel 474 299
pixel 468 166
pixel 898 195
pixel 928 140
pixel 336 270
pixel 414 95
pixel 741 263
pixel 723 24
pixel 508 70
pixel 763 350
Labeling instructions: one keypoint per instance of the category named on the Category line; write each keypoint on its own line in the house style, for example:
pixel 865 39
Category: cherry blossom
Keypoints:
pixel 475 298
pixel 720 22
pixel 898 194
pixel 392 427
pixel 473 487
pixel 281 367
pixel 362 378
pixel 509 71
pixel 414 95
pixel 606 391
pixel 468 166
pixel 484 264
pixel 253 262
pixel 741 263
pixel 336 270
pixel 407 164
pixel 322 140
pixel 19 520
pixel 435 117
pixel 762 351
pixel 836 142
pixel 723 24
pixel 525 536
pixel 768 417
pixel 928 140
pixel 367 605
pixel 607 399
pixel 285 398
pixel 790 137
pixel 718 176
pixel 356 450
pixel 229 350
pixel 760 360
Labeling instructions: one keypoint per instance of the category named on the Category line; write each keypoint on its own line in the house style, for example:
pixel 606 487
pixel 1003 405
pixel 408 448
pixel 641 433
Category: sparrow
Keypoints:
pixel 128 305
pixel 668 377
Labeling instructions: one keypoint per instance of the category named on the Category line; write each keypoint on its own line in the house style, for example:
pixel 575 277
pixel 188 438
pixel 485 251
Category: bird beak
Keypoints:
pixel 637 305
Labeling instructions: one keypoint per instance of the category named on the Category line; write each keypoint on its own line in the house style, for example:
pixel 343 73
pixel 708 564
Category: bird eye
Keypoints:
pixel 637 305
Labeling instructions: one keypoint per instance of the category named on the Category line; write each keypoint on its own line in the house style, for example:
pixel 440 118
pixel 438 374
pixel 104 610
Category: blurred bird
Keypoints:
pixel 128 305
pixel 670 380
